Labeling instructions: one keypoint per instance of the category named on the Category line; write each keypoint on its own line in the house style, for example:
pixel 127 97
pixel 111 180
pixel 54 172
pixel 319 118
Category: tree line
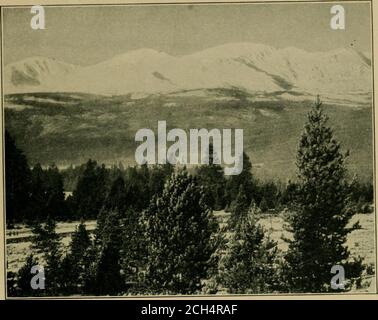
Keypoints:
pixel 156 232
pixel 34 193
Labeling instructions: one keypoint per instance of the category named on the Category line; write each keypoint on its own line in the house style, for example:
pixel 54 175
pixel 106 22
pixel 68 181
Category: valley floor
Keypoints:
pixel 360 242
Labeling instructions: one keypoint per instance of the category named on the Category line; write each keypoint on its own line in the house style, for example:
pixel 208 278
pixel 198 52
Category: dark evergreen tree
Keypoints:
pixel 239 208
pixel 290 193
pixel 108 279
pixel 47 243
pixel 114 173
pixel 264 205
pixel 47 194
pixel 76 264
pixel 319 221
pixel 245 178
pixel 211 177
pixel 91 190
pixel 159 174
pixel 38 210
pixel 136 184
pixel 179 231
pixel 23 279
pixel 133 252
pixel 117 197
pixel 116 201
pixel 17 182
pixel 270 195
pixel 250 264
pixel 55 204
pixel 362 196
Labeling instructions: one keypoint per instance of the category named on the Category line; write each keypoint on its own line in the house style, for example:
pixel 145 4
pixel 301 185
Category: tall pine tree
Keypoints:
pixel 245 178
pixel 17 182
pixel 76 264
pixel 24 276
pixel 91 190
pixel 133 251
pixel 239 208
pixel 320 216
pixel 211 177
pixel 47 242
pixel 38 194
pixel 179 230
pixel 250 264
pixel 107 278
pixel 55 204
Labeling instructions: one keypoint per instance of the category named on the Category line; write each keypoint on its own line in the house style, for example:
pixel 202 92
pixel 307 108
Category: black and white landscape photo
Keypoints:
pixel 192 149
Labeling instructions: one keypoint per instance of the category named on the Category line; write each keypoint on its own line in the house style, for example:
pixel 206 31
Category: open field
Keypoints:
pixel 19 241
pixel 360 242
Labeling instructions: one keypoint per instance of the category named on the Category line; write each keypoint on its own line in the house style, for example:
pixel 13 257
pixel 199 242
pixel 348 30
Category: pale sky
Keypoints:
pixel 88 35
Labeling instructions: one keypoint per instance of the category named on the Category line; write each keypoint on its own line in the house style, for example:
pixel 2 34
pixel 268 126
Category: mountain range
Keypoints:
pixel 340 76
pixel 65 114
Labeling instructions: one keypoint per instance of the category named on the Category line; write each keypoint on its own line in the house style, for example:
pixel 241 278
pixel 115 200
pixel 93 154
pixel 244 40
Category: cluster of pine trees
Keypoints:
pixel 34 193
pixel 156 232
pixel 31 193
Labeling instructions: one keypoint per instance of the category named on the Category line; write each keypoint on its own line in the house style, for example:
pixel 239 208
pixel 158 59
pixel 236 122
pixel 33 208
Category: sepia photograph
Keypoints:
pixel 214 149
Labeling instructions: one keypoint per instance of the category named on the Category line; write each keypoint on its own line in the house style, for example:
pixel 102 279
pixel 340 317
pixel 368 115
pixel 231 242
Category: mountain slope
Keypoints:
pixel 338 75
pixel 36 74
pixel 69 129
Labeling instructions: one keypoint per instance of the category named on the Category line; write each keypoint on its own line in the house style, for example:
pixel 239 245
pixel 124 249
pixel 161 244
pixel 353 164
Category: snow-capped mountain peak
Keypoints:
pixel 343 73
pixel 35 72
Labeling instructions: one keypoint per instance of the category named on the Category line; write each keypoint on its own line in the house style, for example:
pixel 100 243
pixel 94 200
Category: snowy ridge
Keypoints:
pixel 35 74
pixel 342 74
